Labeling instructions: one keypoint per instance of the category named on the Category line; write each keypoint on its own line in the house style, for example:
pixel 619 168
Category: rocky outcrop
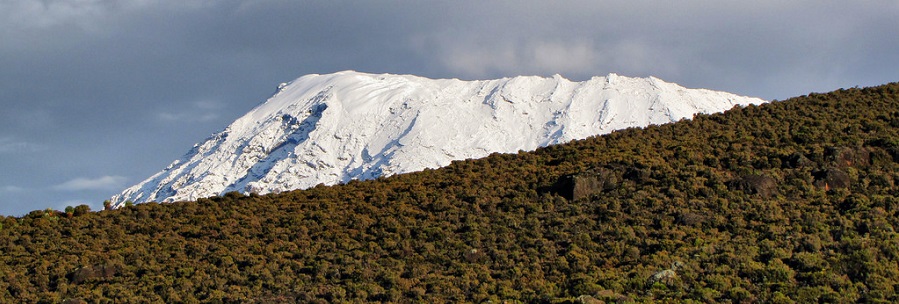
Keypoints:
pixel 582 185
pixel 831 178
pixel 756 184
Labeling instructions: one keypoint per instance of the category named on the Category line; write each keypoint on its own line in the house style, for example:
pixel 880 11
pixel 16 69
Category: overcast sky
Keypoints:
pixel 97 95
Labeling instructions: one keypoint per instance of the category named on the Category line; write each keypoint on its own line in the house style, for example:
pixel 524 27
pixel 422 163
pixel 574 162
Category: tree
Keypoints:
pixel 82 210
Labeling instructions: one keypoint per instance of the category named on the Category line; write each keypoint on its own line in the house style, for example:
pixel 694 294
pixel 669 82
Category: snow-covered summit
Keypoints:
pixel 349 125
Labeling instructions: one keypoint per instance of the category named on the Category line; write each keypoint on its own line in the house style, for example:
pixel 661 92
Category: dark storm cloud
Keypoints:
pixel 111 91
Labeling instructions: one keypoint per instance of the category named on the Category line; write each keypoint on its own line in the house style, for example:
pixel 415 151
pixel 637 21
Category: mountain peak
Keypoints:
pixel 333 128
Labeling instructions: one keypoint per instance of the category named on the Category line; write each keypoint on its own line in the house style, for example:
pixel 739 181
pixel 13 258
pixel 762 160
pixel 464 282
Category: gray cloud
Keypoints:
pixel 121 88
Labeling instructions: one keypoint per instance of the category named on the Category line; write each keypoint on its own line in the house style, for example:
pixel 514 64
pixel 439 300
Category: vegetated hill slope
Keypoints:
pixel 329 129
pixel 789 201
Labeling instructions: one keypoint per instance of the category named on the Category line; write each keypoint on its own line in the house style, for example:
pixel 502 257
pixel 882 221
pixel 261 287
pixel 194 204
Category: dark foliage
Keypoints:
pixel 794 201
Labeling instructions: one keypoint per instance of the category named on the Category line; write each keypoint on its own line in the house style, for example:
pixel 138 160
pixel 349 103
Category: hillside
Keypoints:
pixel 792 201
pixel 333 128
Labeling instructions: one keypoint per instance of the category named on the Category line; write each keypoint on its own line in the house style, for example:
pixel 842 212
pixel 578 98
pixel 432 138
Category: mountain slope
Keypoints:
pixel 788 202
pixel 348 125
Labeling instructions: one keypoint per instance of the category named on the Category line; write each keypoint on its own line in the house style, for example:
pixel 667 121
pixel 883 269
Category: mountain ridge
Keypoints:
pixel 332 128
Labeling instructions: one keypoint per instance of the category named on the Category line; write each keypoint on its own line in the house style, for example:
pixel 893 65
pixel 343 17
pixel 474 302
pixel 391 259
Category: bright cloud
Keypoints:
pixel 186 116
pixel 11 188
pixel 10 145
pixel 100 183
pixel 480 59
pixel 199 111
pixel 87 13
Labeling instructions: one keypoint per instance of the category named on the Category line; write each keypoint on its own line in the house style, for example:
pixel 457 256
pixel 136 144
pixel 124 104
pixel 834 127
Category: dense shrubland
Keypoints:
pixel 794 201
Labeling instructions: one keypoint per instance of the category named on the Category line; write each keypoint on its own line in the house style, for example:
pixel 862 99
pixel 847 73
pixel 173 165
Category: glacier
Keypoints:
pixel 333 128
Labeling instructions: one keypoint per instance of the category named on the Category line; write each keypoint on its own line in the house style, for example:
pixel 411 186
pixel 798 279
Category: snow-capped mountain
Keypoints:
pixel 349 125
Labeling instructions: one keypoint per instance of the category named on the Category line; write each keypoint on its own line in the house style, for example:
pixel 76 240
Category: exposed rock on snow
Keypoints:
pixel 348 125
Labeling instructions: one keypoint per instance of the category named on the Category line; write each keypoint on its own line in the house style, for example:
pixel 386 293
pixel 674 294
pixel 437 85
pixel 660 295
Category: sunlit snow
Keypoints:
pixel 348 125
